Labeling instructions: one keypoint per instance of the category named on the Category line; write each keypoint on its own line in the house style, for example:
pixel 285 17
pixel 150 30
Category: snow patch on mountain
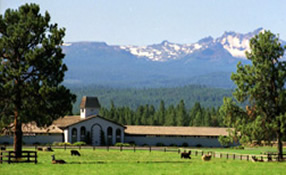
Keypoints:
pixel 234 43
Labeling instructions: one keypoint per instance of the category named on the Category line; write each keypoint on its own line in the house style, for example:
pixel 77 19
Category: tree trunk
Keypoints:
pixel 279 146
pixel 17 135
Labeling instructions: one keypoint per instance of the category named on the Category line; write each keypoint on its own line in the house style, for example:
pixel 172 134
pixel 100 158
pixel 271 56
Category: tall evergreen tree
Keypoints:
pixel 170 116
pixel 195 115
pixel 160 115
pixel 31 70
pixel 262 85
pixel 181 114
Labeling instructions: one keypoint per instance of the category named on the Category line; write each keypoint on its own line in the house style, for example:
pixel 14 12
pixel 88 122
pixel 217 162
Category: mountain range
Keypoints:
pixel 209 61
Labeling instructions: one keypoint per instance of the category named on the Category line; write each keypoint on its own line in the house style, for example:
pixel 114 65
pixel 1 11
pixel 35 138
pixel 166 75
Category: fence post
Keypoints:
pixel 79 147
pixel 240 157
pixel 164 149
pixel 226 155
pixel 93 147
pixel 36 146
pixel 179 151
pixel 107 148
pixel 120 148
pixel 220 155
pixel 9 157
pixel 196 153
pixel 1 159
pixel 36 156
pixel 65 146
pixel 202 152
pixel 28 156
pixel 233 156
pixel 150 148
pixel 247 157
pixel 134 149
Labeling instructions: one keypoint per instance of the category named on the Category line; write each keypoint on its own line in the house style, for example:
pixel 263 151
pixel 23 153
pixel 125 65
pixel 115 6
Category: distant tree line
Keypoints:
pixel 134 97
pixel 172 115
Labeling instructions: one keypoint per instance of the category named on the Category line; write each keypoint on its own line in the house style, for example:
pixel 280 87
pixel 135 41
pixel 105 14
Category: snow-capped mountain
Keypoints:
pixel 234 43
pixel 209 61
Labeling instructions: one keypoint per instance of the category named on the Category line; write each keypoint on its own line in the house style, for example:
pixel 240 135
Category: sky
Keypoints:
pixel 145 22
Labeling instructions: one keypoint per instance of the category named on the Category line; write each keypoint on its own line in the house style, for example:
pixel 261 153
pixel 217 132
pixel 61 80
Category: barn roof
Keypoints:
pixel 89 102
pixel 72 120
pixel 175 130
pixel 32 127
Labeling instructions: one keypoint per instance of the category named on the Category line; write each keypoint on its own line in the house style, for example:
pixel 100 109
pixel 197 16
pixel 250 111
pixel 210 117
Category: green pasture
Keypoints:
pixel 139 162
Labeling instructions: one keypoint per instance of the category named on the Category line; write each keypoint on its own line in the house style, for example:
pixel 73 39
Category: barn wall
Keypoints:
pixel 191 141
pixel 29 140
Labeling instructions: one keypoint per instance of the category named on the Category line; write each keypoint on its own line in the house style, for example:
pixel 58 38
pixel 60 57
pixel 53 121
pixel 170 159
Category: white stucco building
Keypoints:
pixel 96 130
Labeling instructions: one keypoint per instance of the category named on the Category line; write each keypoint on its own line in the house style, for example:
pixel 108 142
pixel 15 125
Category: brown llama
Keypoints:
pixel 206 157
pixel 54 161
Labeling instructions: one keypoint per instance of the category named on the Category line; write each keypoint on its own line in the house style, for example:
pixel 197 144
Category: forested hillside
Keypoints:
pixel 173 115
pixel 133 98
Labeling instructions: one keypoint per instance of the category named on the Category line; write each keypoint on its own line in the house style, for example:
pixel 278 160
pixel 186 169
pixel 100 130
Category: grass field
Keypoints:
pixel 139 162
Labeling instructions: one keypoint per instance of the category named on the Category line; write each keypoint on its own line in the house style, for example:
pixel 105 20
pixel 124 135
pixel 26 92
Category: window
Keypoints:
pixel 109 136
pixel 74 135
pixel 118 136
pixel 83 134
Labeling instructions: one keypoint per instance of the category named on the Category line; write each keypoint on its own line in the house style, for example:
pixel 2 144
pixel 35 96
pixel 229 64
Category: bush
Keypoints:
pixel 173 144
pixel 160 144
pixel 61 144
pixel 36 143
pixel 145 144
pixel 185 144
pixel 123 144
pixel 238 147
pixel 132 143
pixel 198 145
pixel 81 143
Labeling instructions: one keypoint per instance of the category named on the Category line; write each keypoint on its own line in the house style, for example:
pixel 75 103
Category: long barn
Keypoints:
pixel 92 128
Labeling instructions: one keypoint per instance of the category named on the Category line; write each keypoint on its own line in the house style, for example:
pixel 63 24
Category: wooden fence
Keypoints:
pixel 194 152
pixel 26 157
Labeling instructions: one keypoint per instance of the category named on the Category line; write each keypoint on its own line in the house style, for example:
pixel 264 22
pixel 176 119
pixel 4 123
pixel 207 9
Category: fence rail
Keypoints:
pixel 26 156
pixel 193 152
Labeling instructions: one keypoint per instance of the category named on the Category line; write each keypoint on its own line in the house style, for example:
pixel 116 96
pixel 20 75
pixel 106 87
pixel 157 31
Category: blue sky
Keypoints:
pixel 143 22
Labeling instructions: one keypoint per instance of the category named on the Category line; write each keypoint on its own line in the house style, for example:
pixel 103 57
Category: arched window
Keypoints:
pixel 83 134
pixel 118 136
pixel 109 136
pixel 74 135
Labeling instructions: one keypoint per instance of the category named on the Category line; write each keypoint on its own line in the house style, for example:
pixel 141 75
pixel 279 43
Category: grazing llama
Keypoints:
pixel 54 161
pixel 186 155
pixel 75 152
pixel 206 157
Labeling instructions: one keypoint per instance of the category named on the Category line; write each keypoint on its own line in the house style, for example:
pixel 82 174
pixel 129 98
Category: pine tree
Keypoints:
pixel 31 70
pixel 262 86
pixel 181 114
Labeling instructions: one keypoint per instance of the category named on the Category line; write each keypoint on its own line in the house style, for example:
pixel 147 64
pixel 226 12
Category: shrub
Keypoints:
pixel 36 143
pixel 145 144
pixel 238 147
pixel 5 143
pixel 132 143
pixel 160 144
pixel 81 143
pixel 173 144
pixel 185 144
pixel 198 145
pixel 62 144
pixel 123 144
